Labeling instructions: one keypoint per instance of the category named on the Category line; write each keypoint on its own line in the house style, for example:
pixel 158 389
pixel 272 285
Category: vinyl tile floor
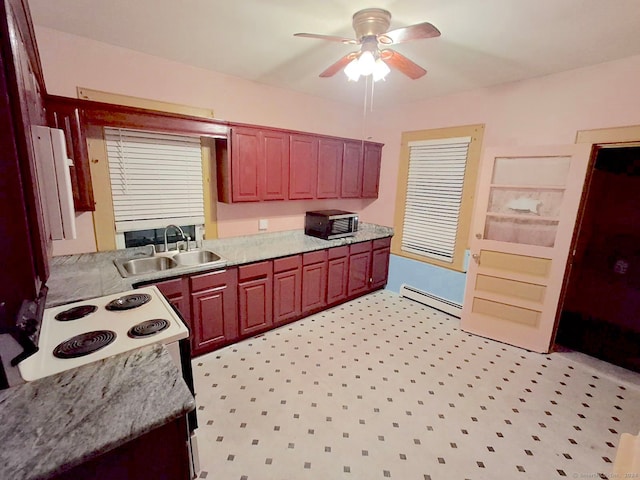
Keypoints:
pixel 384 387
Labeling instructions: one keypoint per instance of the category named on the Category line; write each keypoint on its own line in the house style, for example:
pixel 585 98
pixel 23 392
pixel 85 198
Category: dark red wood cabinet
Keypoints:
pixel 262 163
pixel 245 160
pixel 223 306
pixel 329 168
pixel 25 239
pixel 314 281
pixel 372 158
pixel 176 291
pixel 166 445
pixel 303 167
pixel 255 297
pixel 214 310
pixel 259 165
pixel 287 289
pixel 381 251
pixel 337 274
pixel 352 170
pixel 359 268
pixel 64 113
pixel 275 153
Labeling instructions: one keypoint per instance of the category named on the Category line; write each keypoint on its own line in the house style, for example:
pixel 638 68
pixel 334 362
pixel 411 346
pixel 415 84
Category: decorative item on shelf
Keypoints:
pixel 371 26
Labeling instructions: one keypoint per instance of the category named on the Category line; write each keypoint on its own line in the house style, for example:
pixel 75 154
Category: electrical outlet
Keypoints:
pixel 263 224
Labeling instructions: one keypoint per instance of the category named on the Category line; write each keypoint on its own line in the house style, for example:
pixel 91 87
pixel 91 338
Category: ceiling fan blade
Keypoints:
pixel 347 41
pixel 339 65
pixel 412 32
pixel 402 63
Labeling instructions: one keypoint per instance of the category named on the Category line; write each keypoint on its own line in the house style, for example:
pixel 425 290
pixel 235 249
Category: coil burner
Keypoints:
pixel 84 344
pixel 128 302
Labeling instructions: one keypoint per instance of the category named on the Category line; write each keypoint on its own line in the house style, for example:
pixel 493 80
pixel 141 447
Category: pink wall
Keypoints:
pixel 542 111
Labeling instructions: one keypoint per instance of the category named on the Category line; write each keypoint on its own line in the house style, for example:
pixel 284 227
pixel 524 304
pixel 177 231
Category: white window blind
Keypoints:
pixel 434 195
pixel 156 179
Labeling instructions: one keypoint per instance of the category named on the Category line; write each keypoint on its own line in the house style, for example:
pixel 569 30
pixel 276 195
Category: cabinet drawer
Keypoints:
pixel 314 257
pixel 170 288
pixel 381 243
pixel 359 247
pixel 216 279
pixel 287 263
pixel 255 270
pixel 338 252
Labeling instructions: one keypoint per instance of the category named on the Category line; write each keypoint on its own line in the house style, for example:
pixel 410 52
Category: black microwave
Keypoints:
pixel 330 224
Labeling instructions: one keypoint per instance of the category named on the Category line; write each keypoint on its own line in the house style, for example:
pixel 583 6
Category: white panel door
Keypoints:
pixel 525 214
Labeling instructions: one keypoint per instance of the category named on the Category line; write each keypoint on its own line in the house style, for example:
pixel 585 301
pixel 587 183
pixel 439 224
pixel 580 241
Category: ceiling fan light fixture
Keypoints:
pixel 380 70
pixel 352 70
pixel 366 63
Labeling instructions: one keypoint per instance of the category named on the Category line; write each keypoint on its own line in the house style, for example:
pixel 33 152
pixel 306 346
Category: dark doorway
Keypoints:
pixel 601 311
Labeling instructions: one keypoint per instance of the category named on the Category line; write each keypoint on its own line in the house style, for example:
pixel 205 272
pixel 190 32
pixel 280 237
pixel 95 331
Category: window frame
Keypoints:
pixel 476 133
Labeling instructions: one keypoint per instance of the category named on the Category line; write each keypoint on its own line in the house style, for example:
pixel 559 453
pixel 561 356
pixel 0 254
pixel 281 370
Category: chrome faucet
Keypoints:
pixel 166 246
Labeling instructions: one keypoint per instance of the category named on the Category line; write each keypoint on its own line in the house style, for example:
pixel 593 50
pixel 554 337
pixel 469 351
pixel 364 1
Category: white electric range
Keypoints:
pixel 79 333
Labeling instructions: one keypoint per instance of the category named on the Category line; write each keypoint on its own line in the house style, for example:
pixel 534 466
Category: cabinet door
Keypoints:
pixel 245 169
pixel 214 310
pixel 255 297
pixel 314 281
pixel 329 168
pixel 303 167
pixel 63 114
pixel 371 170
pixel 379 267
pixel 359 268
pixel 287 289
pixel 275 165
pixel 177 292
pixel 352 170
pixel 337 280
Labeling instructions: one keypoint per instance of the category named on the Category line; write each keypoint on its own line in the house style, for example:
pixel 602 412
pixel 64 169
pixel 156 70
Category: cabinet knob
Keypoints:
pixel 476 257
pixel 479 236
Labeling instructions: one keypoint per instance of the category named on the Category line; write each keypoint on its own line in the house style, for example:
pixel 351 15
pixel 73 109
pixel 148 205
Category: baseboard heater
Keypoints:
pixel 431 300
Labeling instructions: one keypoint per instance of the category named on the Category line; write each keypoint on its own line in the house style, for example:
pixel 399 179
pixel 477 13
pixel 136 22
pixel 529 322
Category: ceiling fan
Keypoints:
pixel 372 32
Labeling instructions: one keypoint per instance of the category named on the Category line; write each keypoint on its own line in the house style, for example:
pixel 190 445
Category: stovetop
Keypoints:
pixel 160 324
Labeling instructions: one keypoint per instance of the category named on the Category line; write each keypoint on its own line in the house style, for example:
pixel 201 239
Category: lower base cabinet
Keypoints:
pixel 359 268
pixel 380 263
pixel 161 454
pixel 223 306
pixel 255 297
pixel 287 289
pixel 314 281
pixel 214 310
pixel 337 275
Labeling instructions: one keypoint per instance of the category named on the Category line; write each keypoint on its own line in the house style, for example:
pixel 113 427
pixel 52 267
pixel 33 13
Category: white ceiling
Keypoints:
pixel 483 42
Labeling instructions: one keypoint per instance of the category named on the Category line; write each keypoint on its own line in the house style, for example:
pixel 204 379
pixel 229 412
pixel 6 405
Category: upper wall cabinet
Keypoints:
pixel 371 170
pixel 266 164
pixel 65 115
pixel 303 167
pixel 330 158
pixel 259 165
pixel 352 170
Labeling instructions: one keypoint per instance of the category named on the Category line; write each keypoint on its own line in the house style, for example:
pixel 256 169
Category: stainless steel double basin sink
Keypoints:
pixel 157 263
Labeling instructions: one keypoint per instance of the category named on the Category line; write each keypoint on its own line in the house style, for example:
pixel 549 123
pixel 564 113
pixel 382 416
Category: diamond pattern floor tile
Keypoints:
pixel 384 387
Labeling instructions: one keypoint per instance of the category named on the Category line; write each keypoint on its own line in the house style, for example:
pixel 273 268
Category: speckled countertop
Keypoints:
pixel 58 422
pixel 80 277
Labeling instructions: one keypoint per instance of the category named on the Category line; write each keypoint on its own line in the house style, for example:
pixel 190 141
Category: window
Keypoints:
pixel 156 179
pixel 436 184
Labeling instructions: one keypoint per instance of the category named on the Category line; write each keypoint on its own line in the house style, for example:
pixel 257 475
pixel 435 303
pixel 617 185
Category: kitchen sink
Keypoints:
pixel 138 266
pixel 196 257
pixel 157 263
